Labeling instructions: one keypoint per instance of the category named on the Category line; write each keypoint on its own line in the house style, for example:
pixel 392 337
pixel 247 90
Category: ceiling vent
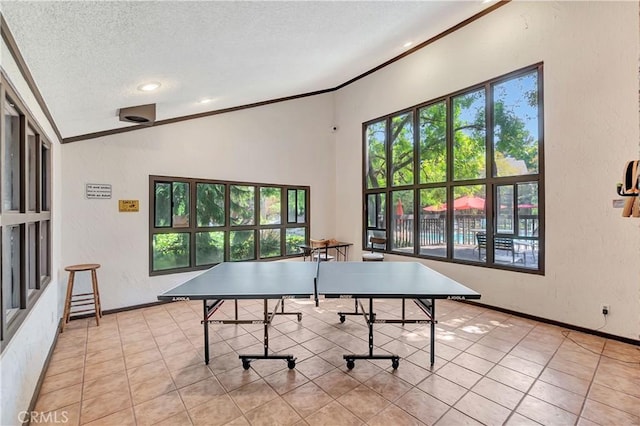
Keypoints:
pixel 141 114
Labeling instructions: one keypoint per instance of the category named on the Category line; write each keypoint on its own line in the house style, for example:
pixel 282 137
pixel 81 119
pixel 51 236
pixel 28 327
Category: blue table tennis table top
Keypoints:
pixel 274 280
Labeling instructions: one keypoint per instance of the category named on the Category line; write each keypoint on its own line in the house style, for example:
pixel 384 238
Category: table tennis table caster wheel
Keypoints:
pixel 342 318
pixel 395 363
pixel 299 317
pixel 291 364
pixel 246 364
pixel 350 364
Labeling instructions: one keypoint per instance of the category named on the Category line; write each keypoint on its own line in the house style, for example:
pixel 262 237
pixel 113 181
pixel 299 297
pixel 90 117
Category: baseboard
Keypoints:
pixel 557 323
pixel 45 366
pixel 125 309
pixel 134 307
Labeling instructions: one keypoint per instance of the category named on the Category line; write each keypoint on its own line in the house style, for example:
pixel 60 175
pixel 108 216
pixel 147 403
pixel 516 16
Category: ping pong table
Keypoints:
pixel 290 280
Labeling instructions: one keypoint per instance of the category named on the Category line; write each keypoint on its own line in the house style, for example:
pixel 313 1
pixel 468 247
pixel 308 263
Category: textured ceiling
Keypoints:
pixel 88 58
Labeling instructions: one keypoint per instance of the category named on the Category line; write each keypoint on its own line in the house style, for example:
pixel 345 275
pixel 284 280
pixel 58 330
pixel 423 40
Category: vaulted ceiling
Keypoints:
pixel 89 58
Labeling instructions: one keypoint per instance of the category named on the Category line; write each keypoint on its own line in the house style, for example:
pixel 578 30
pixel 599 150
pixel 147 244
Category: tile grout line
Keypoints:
pixel 177 390
pixel 451 407
pixel 546 365
pixel 126 376
pixel 84 370
pixel 86 354
pixel 227 392
pixel 595 372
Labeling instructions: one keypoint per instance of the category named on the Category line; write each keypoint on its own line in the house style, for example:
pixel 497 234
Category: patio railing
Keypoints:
pixel 433 229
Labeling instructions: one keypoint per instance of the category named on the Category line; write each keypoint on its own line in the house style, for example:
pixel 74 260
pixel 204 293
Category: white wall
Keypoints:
pixel 22 359
pixel 590 53
pixel 21 362
pixel 283 143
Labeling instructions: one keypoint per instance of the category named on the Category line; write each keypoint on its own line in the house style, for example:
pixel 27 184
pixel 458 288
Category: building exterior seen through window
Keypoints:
pixel 460 178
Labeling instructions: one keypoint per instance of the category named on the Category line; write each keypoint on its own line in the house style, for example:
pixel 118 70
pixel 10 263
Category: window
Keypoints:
pixel 12 278
pixel 297 202
pixel 198 223
pixel 460 178
pixel 25 215
pixel 12 165
pixel 32 168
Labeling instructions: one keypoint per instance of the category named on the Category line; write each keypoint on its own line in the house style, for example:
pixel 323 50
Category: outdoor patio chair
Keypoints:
pixel 375 242
pixel 502 244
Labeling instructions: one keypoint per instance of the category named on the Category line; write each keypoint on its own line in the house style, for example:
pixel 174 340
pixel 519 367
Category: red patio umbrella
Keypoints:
pixel 468 202
pixel 436 208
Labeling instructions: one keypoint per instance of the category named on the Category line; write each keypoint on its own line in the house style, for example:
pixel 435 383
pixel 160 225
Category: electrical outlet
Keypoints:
pixel 606 309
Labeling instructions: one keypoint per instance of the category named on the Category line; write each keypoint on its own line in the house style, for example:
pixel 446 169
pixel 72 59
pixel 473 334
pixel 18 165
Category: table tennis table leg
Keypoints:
pixel 403 316
pixel 268 316
pixel 432 350
pixel 205 322
pixel 371 319
pixel 265 342
pixel 427 306
pixel 342 315
pixel 207 312
pixel 282 312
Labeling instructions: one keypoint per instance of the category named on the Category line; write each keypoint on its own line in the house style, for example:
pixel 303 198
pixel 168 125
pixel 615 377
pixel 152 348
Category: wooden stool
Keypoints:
pixel 73 300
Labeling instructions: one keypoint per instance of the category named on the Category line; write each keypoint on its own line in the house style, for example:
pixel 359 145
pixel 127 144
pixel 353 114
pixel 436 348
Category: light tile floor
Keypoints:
pixel 146 367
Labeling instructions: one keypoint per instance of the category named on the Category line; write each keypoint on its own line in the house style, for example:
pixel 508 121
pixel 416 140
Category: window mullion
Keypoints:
pixel 449 176
pixel 193 221
pixel 389 183
pixel 490 171
pixel 38 176
pixel 227 222
pixel 416 181
pixel 23 164
pixel 256 221
pixel 24 273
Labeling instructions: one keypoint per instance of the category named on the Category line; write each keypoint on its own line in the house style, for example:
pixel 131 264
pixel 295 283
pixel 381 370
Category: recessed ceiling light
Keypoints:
pixel 206 100
pixel 149 87
pixel 407 44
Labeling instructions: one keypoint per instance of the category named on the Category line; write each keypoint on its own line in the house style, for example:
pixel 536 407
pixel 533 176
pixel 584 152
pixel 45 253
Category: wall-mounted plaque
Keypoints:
pixel 97 190
pixel 128 205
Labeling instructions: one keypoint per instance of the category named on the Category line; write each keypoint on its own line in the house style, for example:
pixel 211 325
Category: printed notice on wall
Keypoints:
pixel 97 190
pixel 128 205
